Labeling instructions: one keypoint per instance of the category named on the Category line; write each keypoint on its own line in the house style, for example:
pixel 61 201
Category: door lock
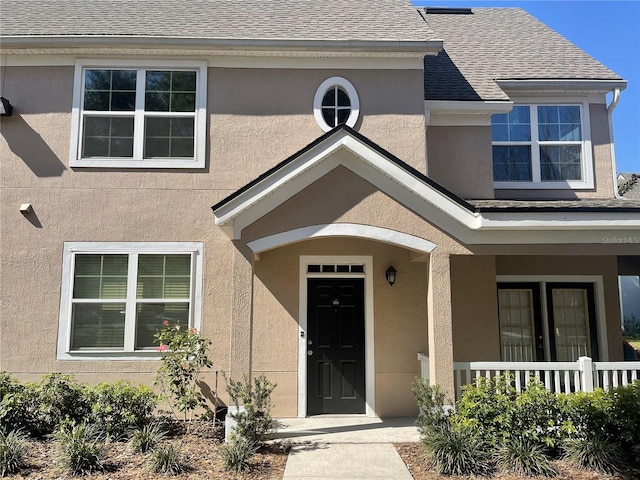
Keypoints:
pixel 309 352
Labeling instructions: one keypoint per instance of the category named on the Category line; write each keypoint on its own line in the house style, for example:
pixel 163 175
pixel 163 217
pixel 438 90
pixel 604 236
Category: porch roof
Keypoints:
pixel 470 221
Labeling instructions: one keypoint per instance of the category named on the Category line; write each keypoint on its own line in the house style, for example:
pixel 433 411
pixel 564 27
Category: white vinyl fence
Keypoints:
pixel 558 377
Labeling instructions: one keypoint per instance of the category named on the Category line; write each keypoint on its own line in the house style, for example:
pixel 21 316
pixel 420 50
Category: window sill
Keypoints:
pixel 570 185
pixel 110 355
pixel 128 163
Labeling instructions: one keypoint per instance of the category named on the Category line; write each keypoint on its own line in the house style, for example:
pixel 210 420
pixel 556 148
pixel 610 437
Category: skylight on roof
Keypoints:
pixel 447 11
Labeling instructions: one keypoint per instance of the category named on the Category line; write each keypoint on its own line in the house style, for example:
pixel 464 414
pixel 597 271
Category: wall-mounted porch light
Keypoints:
pixel 391 275
pixel 5 107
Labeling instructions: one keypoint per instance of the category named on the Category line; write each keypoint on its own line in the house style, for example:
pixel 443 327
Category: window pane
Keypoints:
pixel 150 317
pixel 110 90
pixel 329 99
pixel 559 123
pixel 499 133
pixel 168 91
pixel 158 81
pixel 329 116
pixel 164 276
pixel 169 137
pixel 97 80
pixel 97 325
pixel 184 81
pixel 516 325
pixel 343 116
pixel 108 137
pixel 183 102
pixel 514 126
pixel 559 163
pixel 512 163
pixel 100 276
pixel 182 148
pixel 124 80
pixel 343 98
pixel 123 101
pixel 157 101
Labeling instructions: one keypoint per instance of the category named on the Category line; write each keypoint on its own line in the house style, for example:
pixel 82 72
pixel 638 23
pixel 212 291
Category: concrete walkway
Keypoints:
pixel 346 447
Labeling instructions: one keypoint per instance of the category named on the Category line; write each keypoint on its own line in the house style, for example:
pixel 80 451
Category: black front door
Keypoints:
pixel 335 346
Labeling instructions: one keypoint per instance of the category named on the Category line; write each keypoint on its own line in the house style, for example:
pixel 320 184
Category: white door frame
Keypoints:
pixel 369 366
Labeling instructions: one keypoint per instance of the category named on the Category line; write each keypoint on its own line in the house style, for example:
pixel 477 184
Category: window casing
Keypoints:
pixel 115 296
pixel 134 114
pixel 336 103
pixel 542 146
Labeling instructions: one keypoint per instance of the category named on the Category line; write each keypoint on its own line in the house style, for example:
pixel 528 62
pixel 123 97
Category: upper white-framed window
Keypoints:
pixel 542 146
pixel 336 103
pixel 116 296
pixel 139 114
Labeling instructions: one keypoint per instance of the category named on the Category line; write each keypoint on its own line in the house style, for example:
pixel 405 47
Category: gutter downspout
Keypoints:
pixel 610 108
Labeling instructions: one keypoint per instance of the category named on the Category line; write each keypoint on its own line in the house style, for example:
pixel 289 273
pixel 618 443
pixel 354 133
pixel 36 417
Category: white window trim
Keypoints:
pixel 348 87
pixel 587 181
pixel 367 261
pixel 598 287
pixel 75 151
pixel 66 292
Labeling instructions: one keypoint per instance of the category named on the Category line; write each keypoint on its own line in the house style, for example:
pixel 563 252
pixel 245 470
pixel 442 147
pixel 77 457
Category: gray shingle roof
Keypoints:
pixel 379 20
pixel 500 43
pixel 604 204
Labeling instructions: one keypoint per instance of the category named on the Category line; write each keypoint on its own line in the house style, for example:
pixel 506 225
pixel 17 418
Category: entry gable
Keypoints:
pixel 368 160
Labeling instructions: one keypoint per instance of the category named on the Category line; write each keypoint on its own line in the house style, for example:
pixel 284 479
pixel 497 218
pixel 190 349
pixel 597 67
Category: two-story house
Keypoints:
pixel 385 180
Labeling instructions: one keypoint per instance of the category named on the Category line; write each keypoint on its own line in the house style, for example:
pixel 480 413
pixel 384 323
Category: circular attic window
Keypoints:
pixel 336 103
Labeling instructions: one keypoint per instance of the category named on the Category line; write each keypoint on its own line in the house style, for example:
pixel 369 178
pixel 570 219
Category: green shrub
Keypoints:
pixel 595 452
pixel 147 437
pixel 119 407
pixel 83 448
pixel 168 459
pixel 431 401
pixel 58 399
pixel 17 411
pixel 535 416
pixel 12 452
pixel 585 413
pixel 184 355
pixel 625 414
pixel 237 453
pixel 255 422
pixel 486 408
pixel 525 458
pixel 457 452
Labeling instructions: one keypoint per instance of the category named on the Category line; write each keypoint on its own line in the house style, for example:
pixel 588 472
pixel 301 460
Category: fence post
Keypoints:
pixel 585 366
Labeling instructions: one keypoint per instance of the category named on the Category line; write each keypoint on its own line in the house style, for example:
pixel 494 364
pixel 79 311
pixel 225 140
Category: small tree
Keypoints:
pixel 184 356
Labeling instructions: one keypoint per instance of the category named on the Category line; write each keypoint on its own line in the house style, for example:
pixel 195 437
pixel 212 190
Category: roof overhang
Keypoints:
pixel 134 44
pixel 564 86
pixel 460 219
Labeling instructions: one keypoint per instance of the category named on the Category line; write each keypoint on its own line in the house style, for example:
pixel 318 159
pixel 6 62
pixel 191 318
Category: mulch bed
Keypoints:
pixel 200 446
pixel 411 454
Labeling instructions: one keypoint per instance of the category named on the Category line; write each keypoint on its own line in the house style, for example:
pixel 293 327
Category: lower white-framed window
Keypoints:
pixel 116 296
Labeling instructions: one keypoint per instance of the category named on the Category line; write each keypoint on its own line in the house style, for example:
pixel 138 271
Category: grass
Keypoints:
pixel 634 342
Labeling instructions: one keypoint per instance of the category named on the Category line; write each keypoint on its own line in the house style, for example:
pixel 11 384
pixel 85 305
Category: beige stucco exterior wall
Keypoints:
pixel 605 266
pixel 460 159
pixel 476 334
pixel 257 117
pixel 400 323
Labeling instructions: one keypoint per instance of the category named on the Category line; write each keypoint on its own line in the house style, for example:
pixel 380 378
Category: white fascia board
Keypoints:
pixel 568 85
pixel 255 47
pixel 390 178
pixel 471 107
pixel 407 182
pixel 560 220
